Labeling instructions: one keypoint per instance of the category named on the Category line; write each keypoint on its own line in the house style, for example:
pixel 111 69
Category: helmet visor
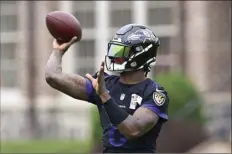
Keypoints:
pixel 120 51
pixel 116 57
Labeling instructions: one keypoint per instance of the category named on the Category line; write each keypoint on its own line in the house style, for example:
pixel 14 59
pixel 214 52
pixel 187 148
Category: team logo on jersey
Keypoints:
pixel 122 97
pixel 135 99
pixel 159 98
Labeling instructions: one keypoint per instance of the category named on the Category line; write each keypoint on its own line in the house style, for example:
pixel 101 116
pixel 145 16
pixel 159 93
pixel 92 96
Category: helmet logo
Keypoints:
pixel 142 35
pixel 133 64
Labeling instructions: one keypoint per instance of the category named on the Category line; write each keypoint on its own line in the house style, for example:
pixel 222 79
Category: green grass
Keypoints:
pixel 42 146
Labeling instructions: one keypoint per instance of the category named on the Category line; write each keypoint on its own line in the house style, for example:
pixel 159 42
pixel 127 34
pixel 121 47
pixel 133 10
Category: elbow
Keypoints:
pixel 133 134
pixel 49 77
pixel 131 130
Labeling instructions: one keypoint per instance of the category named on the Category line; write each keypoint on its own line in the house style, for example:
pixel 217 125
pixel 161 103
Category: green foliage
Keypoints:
pixel 181 91
pixel 96 126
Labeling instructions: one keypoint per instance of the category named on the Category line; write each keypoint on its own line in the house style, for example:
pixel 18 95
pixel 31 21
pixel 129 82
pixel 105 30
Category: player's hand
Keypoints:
pixel 99 82
pixel 64 46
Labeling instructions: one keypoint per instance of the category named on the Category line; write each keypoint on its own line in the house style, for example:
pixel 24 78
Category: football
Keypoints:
pixel 63 26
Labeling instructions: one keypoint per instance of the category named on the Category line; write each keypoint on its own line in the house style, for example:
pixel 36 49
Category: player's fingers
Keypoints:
pixel 100 75
pixel 102 63
pixel 55 42
pixel 73 40
pixel 101 72
pixel 103 66
pixel 90 77
pixel 98 78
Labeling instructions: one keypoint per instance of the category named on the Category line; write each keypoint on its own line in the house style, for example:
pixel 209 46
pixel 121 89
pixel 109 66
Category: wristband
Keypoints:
pixel 116 114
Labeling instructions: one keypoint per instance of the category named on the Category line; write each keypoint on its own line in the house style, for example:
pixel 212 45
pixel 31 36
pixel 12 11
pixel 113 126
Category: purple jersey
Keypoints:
pixel 129 98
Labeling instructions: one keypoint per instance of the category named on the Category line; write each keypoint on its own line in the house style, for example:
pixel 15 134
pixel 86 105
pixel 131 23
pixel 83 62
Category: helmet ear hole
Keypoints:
pixel 133 64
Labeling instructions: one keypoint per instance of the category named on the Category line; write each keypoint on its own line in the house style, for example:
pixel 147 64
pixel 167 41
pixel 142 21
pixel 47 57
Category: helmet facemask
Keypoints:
pixel 117 56
pixel 122 58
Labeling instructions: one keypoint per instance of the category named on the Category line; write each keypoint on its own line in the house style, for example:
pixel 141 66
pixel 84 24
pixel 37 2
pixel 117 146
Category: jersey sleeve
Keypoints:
pixel 91 93
pixel 158 101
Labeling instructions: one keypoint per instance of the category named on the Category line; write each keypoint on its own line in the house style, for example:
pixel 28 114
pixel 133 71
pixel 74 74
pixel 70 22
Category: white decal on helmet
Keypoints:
pixel 117 39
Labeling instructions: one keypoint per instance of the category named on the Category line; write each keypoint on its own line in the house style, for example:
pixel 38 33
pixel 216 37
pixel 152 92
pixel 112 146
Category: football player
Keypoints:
pixel 132 107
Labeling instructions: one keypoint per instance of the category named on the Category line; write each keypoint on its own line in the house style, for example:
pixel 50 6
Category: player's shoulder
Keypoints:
pixel 154 86
pixel 155 90
pixel 156 99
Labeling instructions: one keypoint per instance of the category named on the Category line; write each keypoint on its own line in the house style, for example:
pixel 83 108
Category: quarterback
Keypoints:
pixel 132 107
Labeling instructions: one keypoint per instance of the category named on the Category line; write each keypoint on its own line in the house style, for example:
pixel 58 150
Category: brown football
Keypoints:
pixel 63 26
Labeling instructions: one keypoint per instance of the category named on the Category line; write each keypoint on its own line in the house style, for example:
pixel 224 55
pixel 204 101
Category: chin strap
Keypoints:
pixel 147 66
pixel 147 69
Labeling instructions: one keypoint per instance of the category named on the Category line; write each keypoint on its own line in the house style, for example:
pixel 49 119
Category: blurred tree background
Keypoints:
pixel 185 100
pixel 185 113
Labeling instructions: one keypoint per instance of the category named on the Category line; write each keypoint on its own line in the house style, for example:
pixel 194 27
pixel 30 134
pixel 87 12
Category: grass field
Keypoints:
pixel 45 147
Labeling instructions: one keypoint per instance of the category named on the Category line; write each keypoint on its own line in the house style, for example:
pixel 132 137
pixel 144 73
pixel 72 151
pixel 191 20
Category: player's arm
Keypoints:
pixel 140 123
pixel 70 84
pixel 131 126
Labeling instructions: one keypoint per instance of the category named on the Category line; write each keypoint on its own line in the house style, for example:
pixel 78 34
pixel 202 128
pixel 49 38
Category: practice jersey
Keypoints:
pixel 129 98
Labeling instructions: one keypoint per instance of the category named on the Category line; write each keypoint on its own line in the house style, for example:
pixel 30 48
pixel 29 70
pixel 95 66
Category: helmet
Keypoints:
pixel 133 47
